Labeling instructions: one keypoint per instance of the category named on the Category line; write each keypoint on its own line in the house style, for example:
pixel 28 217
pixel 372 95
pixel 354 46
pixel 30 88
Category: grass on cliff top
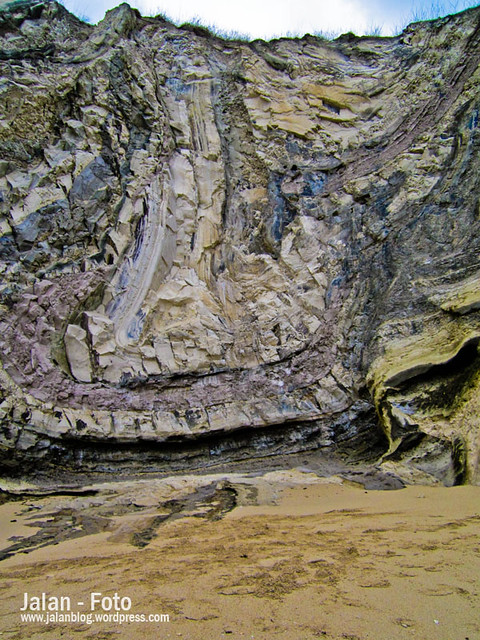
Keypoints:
pixel 436 9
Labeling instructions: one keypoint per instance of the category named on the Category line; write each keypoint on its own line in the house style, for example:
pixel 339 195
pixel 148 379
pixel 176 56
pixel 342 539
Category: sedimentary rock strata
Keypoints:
pixel 214 249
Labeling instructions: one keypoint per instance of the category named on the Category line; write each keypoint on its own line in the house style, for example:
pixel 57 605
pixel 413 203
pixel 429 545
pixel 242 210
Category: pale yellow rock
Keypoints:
pixel 78 353
pixel 461 297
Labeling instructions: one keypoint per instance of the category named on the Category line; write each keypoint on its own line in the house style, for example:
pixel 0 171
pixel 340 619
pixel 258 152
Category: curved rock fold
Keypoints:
pixel 215 249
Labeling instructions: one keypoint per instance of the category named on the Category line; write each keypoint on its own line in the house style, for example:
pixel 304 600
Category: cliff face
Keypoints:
pixel 213 250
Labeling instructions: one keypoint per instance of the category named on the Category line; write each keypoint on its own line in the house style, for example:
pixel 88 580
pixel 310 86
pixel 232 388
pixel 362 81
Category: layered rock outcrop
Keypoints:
pixel 215 249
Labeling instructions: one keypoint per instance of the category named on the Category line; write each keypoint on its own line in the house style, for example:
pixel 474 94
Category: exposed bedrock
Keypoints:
pixel 216 250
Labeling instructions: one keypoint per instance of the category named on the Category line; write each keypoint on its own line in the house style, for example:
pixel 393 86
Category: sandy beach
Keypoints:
pixel 298 557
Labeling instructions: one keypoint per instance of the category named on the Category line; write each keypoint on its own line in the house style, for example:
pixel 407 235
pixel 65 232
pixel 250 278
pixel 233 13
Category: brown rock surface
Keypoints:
pixel 215 250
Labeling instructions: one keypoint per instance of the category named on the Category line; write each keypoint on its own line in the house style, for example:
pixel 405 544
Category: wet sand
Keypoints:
pixel 298 558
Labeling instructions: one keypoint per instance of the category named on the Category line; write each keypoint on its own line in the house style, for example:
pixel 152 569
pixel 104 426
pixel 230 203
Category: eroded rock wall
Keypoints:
pixel 207 243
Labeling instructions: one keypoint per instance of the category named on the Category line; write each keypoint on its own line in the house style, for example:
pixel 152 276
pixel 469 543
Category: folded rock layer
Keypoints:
pixel 212 250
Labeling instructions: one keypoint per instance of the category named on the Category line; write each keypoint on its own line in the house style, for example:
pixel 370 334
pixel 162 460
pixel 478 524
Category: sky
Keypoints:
pixel 273 18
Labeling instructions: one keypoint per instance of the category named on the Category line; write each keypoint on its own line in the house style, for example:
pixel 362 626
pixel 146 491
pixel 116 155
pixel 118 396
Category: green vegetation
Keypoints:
pixel 437 8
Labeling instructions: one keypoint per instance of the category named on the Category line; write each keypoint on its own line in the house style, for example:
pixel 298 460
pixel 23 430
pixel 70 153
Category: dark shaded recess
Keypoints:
pixel 438 386
pixel 80 425
pixel 331 106
pixel 456 372
pixel 440 461
pixel 459 455
pixel 139 232
pixel 358 439
pixel 410 441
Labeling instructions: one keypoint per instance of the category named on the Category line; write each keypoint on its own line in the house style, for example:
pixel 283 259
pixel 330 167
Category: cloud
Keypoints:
pixel 91 9
pixel 267 18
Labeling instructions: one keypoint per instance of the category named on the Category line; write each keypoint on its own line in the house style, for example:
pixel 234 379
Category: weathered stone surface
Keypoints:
pixel 206 243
